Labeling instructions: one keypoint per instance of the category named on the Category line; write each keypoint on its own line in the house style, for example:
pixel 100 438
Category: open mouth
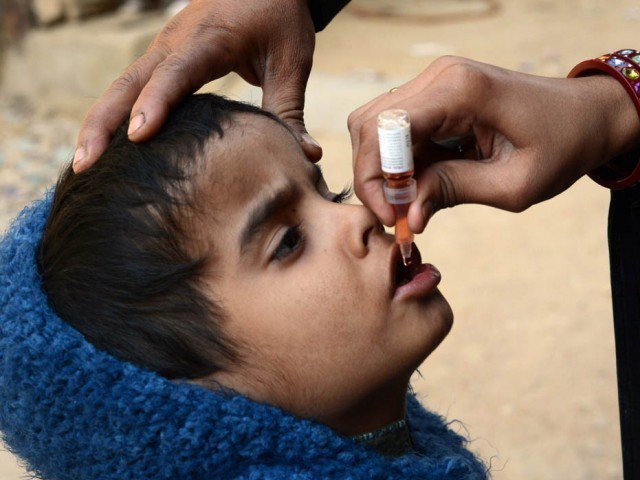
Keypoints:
pixel 416 280
pixel 405 273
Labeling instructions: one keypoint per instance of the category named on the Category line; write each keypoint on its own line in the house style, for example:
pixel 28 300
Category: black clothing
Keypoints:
pixel 323 11
pixel 624 254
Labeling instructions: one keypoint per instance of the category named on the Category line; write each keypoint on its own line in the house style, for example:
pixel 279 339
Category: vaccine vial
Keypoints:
pixel 396 156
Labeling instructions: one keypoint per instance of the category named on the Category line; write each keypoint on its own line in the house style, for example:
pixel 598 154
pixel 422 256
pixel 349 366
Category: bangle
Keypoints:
pixel 623 65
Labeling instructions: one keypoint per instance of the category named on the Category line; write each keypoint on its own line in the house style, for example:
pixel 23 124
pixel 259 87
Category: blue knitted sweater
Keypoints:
pixel 73 412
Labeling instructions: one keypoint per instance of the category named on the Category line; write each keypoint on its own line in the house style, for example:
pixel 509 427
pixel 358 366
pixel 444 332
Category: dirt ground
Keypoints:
pixel 528 369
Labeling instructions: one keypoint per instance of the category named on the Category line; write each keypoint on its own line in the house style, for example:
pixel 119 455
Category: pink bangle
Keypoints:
pixel 624 66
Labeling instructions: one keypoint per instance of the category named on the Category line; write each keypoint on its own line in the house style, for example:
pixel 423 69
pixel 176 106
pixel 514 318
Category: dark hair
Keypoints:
pixel 118 255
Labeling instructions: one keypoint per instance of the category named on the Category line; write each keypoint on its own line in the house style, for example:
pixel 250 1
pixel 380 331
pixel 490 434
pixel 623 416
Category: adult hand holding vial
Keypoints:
pixel 520 159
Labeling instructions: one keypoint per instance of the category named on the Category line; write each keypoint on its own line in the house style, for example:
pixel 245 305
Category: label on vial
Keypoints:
pixel 395 149
pixel 397 196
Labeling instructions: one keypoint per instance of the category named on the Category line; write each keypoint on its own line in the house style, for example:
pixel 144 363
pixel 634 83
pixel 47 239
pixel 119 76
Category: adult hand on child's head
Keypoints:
pixel 269 43
pixel 537 136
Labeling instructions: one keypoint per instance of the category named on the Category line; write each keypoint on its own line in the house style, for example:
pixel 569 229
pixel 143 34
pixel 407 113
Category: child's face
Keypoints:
pixel 306 283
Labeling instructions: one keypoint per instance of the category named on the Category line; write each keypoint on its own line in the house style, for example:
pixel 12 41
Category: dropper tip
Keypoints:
pixel 405 251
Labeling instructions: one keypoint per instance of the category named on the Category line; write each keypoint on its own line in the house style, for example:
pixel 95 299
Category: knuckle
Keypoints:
pixel 159 46
pixel 471 85
pixel 96 124
pixel 218 40
pixel 89 127
pixel 203 29
pixel 129 80
pixel 173 65
pixel 218 30
pixel 513 196
pixel 450 196
pixel 354 122
pixel 169 29
pixel 177 69
pixel 294 72
pixel 466 77
pixel 358 190
pixel 364 190
pixel 445 61
pixel 367 192
pixel 291 112
pixel 288 101
pixel 221 53
pixel 362 136
pixel 515 201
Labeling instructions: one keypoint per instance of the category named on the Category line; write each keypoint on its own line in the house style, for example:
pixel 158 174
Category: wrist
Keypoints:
pixel 622 119
pixel 608 124
pixel 614 81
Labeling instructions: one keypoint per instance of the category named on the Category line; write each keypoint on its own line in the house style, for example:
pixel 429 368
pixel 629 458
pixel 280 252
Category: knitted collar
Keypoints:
pixel 392 440
pixel 71 411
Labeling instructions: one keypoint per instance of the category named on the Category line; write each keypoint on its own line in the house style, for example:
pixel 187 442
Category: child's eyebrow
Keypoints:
pixel 275 203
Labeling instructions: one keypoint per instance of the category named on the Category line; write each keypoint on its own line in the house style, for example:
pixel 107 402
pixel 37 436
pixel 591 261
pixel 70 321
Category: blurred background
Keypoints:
pixel 528 371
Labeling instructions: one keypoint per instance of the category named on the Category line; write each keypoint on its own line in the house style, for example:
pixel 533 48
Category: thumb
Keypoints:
pixel 449 183
pixel 283 94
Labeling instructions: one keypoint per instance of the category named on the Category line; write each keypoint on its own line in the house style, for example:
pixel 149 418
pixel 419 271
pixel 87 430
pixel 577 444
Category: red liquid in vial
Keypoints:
pixel 403 233
pixel 400 180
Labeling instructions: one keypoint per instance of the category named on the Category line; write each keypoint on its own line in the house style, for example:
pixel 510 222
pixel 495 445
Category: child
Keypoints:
pixel 216 254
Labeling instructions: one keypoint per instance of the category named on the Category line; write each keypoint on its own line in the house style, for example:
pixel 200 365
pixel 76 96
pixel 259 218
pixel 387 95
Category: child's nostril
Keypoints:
pixel 365 236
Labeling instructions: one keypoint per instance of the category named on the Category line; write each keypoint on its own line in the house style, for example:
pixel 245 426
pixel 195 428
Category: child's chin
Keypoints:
pixel 437 317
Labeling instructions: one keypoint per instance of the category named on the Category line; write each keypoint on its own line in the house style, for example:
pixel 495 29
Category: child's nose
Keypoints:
pixel 360 226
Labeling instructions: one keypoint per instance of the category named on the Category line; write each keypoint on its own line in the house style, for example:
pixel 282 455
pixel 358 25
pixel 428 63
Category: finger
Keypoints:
pixel 450 106
pixel 111 110
pixel 372 190
pixel 284 95
pixel 368 179
pixel 177 76
pixel 369 112
pixel 397 96
pixel 456 99
pixel 495 182
pixel 368 182
pixel 450 183
pixel 410 88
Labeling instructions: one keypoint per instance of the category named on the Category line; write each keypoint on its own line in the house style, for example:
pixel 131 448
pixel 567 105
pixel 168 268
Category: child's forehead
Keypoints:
pixel 256 154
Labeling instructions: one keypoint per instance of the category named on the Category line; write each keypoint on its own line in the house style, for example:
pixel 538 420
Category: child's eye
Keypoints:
pixel 344 195
pixel 291 241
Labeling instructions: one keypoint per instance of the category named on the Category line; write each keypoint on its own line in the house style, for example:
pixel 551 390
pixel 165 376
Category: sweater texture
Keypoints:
pixel 72 412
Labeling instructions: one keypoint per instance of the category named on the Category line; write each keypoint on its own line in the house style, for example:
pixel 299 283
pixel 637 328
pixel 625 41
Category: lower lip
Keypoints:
pixel 423 283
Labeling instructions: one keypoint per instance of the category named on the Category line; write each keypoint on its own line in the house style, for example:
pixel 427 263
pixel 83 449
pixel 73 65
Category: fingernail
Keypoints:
pixel 306 138
pixel 78 158
pixel 136 122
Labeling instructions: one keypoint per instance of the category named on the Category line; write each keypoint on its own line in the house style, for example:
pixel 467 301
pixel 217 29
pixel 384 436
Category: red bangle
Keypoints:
pixel 624 66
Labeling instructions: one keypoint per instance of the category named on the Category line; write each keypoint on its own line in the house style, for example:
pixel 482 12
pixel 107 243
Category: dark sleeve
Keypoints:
pixel 323 11
pixel 624 253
